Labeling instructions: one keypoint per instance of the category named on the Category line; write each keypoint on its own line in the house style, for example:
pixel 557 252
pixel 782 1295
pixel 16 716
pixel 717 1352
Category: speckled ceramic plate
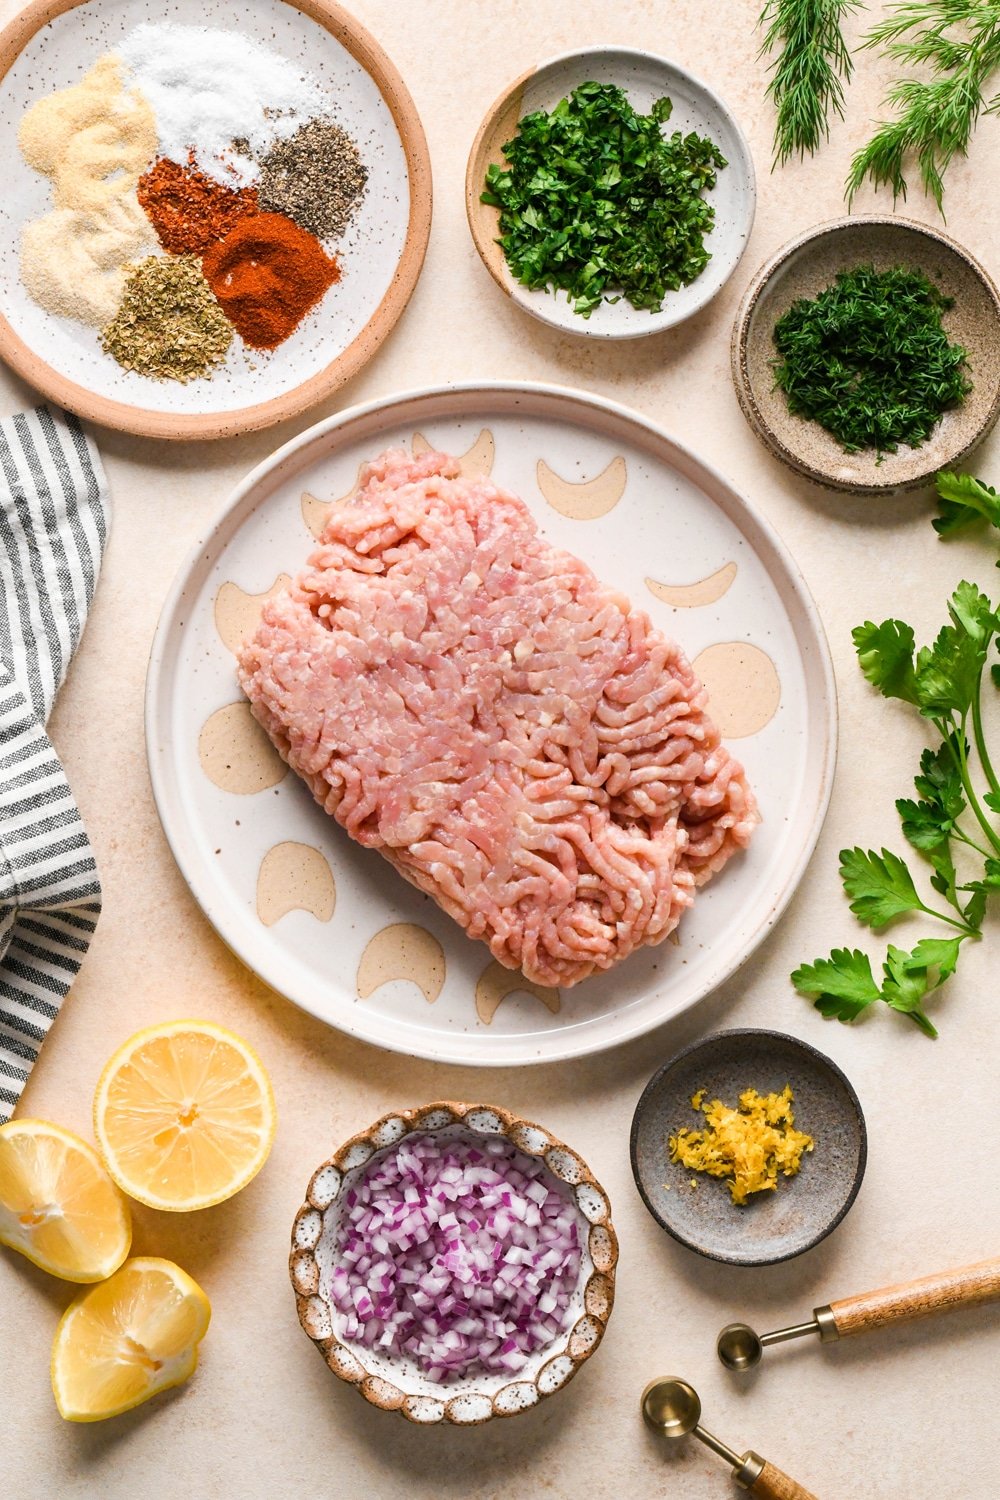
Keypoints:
pixel 52 44
pixel 645 78
pixel 395 1384
pixel 771 1226
pixel 331 925
pixel 803 268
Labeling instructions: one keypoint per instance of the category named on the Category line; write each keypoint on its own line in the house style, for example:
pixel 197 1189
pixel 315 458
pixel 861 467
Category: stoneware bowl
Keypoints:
pixel 772 1226
pixel 805 267
pixel 390 1383
pixel 644 78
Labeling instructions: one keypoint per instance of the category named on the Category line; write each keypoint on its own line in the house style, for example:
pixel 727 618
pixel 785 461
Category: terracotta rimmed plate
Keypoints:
pixel 331 925
pixel 645 78
pixel 803 268
pixel 771 1226
pixel 52 44
pixel 397 1385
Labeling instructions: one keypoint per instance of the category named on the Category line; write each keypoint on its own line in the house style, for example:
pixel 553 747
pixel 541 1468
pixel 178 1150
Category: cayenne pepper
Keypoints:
pixel 266 274
pixel 189 210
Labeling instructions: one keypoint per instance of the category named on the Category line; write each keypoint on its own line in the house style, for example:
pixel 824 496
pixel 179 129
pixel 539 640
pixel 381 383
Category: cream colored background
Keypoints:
pixel 910 1414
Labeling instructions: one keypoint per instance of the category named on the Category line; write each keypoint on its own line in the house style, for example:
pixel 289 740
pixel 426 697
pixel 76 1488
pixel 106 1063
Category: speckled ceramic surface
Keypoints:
pixel 396 1385
pixel 334 927
pixel 807 265
pixel 645 78
pixel 771 1226
pixel 51 45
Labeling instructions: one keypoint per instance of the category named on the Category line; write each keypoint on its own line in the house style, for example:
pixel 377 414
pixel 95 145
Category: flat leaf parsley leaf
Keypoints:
pixel 950 819
pixel 597 202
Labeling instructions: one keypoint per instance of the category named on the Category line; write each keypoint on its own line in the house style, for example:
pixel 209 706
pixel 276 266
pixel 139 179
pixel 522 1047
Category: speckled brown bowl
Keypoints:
pixel 772 1226
pixel 803 268
pixel 386 1382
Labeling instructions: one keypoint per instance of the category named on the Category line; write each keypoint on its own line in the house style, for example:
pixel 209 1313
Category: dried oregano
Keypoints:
pixel 169 325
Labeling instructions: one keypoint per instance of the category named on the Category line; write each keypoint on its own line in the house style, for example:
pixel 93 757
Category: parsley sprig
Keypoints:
pixel 597 202
pixel 957 795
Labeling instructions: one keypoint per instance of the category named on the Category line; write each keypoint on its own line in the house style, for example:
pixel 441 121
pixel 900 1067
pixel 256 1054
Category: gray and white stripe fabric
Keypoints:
pixel 53 527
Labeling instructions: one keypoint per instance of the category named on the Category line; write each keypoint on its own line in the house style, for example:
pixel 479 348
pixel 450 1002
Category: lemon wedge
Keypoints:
pixel 58 1206
pixel 184 1115
pixel 121 1342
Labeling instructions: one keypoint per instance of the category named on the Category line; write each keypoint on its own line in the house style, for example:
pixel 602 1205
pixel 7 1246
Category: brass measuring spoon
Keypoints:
pixel 672 1409
pixel 740 1348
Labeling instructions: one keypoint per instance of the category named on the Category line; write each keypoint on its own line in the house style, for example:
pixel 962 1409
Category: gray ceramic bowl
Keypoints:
pixel 771 1226
pixel 803 268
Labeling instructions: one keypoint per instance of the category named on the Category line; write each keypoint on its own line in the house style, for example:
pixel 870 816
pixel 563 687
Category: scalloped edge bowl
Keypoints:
pixel 470 1403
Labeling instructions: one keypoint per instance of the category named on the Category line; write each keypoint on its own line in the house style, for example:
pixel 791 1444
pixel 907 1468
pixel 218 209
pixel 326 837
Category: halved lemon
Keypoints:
pixel 58 1206
pixel 184 1115
pixel 123 1341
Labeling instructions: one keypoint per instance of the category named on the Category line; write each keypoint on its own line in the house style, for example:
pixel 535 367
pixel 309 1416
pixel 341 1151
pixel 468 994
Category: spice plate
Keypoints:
pixel 770 1226
pixel 645 78
pixel 803 268
pixel 333 927
pixel 52 46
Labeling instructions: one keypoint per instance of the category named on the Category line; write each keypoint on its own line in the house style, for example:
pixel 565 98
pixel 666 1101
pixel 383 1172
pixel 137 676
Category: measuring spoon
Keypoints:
pixel 740 1348
pixel 672 1408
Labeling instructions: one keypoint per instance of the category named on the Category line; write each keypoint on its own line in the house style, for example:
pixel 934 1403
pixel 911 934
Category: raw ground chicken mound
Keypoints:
pixel 513 736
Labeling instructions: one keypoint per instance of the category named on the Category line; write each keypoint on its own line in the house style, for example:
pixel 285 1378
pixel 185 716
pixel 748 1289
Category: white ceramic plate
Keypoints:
pixel 251 842
pixel 52 45
pixel 644 78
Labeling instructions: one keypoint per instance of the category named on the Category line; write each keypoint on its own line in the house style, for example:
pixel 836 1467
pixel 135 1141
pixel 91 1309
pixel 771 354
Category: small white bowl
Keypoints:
pixel 395 1385
pixel 645 78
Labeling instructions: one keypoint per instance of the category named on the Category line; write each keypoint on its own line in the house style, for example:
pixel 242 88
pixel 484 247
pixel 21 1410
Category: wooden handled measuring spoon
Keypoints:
pixel 740 1348
pixel 672 1408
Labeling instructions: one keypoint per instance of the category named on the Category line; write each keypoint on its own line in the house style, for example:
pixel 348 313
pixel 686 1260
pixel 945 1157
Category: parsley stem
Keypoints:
pixel 977 730
pixel 957 744
pixel 963 927
pixel 963 837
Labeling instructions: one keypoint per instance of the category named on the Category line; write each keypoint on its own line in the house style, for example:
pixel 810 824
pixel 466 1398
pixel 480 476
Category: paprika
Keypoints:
pixel 266 274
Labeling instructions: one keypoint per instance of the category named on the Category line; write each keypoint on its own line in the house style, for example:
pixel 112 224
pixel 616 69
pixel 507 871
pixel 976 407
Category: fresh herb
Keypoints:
pixel 809 72
pixel 869 360
pixel 958 41
pixel 951 822
pixel 596 201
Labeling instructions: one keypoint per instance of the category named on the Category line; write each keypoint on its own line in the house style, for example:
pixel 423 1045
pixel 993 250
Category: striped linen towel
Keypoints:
pixel 53 527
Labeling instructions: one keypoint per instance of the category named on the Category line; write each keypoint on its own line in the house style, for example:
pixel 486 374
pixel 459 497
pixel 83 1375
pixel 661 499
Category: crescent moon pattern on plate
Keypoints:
pixel 743 687
pixel 235 753
pixel 237 612
pixel 402 951
pixel 694 595
pixel 316 512
pixel 475 463
pixel 295 877
pixel 496 983
pixel 585 499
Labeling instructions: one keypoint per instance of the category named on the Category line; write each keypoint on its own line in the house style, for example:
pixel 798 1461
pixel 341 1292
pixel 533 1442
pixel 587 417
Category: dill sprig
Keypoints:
pixel 809 72
pixel 959 42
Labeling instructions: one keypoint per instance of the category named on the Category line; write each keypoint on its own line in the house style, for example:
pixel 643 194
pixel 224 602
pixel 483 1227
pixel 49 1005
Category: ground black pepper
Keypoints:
pixel 315 177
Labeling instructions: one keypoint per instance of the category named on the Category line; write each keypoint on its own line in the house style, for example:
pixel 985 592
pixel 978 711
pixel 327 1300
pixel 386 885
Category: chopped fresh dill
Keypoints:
pixel 869 359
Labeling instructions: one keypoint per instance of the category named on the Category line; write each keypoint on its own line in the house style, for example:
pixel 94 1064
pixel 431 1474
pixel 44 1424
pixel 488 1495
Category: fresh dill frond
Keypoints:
pixel 809 72
pixel 958 41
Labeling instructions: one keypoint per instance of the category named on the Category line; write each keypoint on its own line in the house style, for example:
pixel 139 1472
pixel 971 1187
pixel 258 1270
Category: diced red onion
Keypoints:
pixel 462 1259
